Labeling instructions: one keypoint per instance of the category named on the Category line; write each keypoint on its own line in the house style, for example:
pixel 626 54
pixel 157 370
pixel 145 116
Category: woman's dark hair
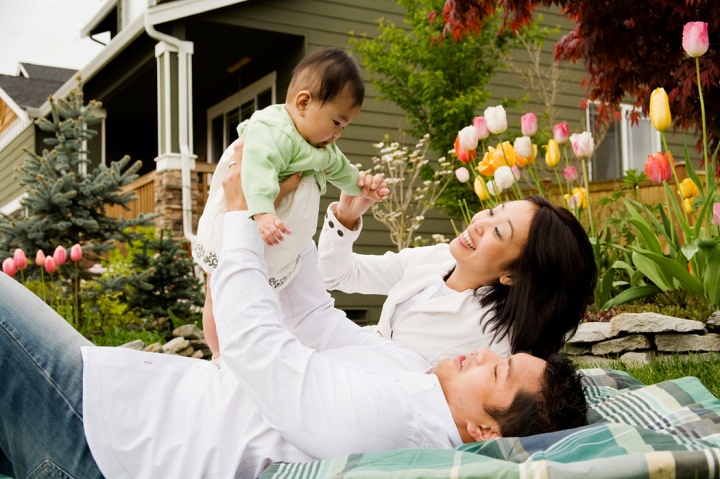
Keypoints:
pixel 328 73
pixel 553 280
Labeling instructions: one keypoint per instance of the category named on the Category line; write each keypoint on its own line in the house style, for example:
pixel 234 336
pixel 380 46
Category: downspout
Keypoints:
pixel 183 111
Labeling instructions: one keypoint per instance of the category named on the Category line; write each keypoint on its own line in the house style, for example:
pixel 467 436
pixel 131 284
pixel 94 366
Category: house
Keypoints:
pixel 21 96
pixel 177 76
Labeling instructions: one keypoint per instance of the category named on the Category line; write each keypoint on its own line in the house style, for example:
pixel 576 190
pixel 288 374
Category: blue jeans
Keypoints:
pixel 41 421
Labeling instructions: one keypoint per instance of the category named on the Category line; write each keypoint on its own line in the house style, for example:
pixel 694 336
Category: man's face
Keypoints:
pixel 473 383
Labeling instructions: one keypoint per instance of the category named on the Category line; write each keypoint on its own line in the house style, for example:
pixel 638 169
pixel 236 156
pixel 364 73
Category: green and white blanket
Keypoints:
pixel 667 430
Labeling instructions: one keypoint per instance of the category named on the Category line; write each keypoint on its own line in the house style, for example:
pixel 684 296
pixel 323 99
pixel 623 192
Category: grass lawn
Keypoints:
pixel 677 366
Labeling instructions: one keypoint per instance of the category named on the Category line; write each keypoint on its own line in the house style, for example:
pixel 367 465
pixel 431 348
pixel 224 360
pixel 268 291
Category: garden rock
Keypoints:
pixel 153 348
pixel 714 320
pixel 619 345
pixel 138 345
pixel 175 345
pixel 687 342
pixel 653 323
pixel 592 333
pixel 638 358
pixel 188 331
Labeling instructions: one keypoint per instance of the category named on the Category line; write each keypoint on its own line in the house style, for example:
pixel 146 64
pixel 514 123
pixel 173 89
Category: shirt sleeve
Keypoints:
pixel 317 400
pixel 350 272
pixel 266 154
pixel 342 173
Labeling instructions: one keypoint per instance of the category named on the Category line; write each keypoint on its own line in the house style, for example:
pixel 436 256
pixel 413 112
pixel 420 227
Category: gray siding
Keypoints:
pixel 11 157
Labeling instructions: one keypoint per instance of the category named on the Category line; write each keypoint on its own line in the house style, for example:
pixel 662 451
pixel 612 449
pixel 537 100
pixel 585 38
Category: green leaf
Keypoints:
pixel 706 209
pixel 671 268
pixel 711 278
pixel 689 250
pixel 679 214
pixel 631 294
pixel 653 271
pixel 625 266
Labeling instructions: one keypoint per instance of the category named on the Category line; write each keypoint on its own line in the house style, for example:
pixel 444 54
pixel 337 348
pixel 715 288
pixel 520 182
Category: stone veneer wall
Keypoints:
pixel 168 201
pixel 642 337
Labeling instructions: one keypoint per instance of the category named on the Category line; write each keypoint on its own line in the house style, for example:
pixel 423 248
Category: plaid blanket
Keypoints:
pixel 669 430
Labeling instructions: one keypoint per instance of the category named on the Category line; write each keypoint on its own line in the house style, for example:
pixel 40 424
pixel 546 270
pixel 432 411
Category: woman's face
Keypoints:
pixel 494 238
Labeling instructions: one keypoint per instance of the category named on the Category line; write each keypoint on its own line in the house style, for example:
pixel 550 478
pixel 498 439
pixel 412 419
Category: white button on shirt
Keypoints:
pixel 299 382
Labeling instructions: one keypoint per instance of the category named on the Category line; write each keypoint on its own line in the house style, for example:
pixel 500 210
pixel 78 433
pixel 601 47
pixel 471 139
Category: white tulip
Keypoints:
pixel 496 119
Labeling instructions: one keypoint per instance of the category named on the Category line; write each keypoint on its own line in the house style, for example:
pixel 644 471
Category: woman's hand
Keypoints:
pixel 234 196
pixel 351 208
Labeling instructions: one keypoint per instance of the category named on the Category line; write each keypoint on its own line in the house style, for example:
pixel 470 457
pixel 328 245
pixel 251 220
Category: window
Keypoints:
pixel 224 117
pixel 624 146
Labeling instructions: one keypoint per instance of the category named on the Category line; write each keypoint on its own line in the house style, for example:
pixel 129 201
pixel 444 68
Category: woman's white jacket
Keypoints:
pixel 438 328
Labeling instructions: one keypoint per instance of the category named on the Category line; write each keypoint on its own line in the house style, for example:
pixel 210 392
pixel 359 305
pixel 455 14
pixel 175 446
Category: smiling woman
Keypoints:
pixel 518 279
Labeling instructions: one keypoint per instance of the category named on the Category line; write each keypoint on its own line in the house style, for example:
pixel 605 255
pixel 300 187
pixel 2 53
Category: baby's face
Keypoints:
pixel 321 125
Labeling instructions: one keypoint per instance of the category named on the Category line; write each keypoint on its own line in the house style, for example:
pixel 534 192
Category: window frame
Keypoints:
pixel 234 102
pixel 624 124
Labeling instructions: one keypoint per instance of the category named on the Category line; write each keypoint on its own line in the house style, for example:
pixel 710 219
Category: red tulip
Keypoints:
pixel 463 155
pixel 20 259
pixel 8 267
pixel 60 256
pixel 50 265
pixel 76 253
pixel 40 258
pixel 658 168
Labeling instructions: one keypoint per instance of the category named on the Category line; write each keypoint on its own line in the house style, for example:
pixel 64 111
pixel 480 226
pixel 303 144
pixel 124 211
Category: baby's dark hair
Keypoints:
pixel 327 74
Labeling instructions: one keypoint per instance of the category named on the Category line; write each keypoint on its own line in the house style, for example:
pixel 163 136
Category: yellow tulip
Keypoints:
pixel 480 189
pixel 552 155
pixel 688 188
pixel 688 202
pixel 660 110
pixel 486 166
pixel 581 197
pixel 509 158
pixel 523 162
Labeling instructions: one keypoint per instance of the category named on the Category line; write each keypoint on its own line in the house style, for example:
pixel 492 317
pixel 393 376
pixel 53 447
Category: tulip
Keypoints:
pixel 502 155
pixel 660 110
pixel 40 258
pixel 523 146
pixel 689 189
pixel 481 127
pixel 493 189
pixel 516 172
pixel 50 265
pixel 561 132
pixel 716 214
pixel 505 154
pixel 504 178
pixel 462 174
pixel 20 260
pixel 580 197
pixel 481 190
pixel 59 256
pixel 468 138
pixel 8 267
pixel 582 144
pixel 658 168
pixel 528 124
pixel 496 119
pixel 463 155
pixel 688 202
pixel 695 40
pixel 76 253
pixel 570 173
pixel 522 161
pixel 552 155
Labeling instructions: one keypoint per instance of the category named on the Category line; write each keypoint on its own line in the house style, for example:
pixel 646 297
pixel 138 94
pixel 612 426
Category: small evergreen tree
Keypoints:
pixel 163 284
pixel 65 204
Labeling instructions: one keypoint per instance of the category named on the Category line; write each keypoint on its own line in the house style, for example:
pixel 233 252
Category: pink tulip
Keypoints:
pixel 561 132
pixel 40 258
pixel 658 168
pixel 570 173
pixel 481 127
pixel 76 253
pixel 50 265
pixel 8 266
pixel 695 40
pixel 516 171
pixel 583 144
pixel 462 174
pixel 20 259
pixel 716 214
pixel 528 123
pixel 60 256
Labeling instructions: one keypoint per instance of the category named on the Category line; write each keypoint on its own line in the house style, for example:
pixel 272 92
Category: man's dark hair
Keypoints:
pixel 560 403
pixel 327 74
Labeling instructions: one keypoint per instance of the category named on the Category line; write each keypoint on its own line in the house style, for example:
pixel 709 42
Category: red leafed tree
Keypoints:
pixel 629 48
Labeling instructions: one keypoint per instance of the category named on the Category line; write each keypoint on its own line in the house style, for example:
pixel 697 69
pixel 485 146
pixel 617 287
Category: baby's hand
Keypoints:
pixel 271 228
pixel 373 187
